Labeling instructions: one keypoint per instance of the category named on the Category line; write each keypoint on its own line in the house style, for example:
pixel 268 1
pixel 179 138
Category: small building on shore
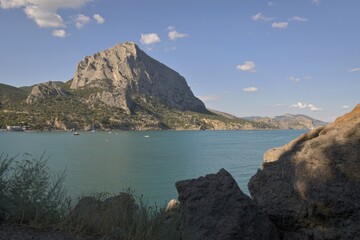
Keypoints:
pixel 15 128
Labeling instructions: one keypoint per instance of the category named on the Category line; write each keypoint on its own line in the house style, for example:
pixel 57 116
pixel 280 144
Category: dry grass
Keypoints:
pixel 31 196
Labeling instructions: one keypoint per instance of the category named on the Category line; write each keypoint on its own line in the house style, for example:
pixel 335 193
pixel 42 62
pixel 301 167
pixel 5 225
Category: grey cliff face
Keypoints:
pixel 124 70
pixel 45 90
pixel 215 208
pixel 311 186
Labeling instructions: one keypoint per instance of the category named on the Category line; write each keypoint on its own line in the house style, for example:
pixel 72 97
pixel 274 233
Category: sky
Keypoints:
pixel 243 57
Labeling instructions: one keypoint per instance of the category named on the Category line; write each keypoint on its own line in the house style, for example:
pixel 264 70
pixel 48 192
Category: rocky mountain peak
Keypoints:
pixel 45 90
pixel 124 71
pixel 129 47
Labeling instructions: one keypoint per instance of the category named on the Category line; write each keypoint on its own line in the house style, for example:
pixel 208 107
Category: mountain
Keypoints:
pixel 118 88
pixel 289 121
pixel 45 90
pixel 11 96
pixel 124 70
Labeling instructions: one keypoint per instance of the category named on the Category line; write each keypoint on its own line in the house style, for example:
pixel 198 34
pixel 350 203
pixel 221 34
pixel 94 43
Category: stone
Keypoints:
pixel 172 205
pixel 103 216
pixel 311 186
pixel 45 90
pixel 123 71
pixel 214 207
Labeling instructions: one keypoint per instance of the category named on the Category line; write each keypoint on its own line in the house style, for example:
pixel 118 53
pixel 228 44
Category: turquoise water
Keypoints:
pixel 112 162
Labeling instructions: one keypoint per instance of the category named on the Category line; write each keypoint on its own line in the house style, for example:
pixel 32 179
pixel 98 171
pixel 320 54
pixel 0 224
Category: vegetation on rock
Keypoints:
pixel 76 111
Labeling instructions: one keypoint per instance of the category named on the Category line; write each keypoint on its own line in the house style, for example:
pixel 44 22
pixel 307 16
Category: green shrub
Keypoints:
pixel 123 216
pixel 29 193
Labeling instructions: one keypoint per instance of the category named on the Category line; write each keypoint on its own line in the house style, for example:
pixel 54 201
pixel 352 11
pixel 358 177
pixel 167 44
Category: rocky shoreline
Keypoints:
pixel 308 189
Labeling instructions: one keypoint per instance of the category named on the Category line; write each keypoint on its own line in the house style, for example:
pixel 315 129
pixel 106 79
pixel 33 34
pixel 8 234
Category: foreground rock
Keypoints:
pixel 215 208
pixel 311 187
pixel 12 232
pixel 107 217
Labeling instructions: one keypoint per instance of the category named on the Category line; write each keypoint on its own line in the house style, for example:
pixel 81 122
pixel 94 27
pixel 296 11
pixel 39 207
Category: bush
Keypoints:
pixel 29 193
pixel 123 216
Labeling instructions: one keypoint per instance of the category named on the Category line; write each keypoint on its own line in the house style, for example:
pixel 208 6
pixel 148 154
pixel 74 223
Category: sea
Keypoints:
pixel 149 163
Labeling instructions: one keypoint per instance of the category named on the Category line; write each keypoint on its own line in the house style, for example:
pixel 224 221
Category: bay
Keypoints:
pixel 112 162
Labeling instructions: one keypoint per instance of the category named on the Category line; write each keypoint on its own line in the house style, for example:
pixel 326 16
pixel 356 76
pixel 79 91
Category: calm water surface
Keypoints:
pixel 112 162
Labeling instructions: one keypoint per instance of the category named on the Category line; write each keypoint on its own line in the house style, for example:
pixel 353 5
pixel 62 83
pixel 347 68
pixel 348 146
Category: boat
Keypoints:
pixel 146 136
pixel 92 128
pixel 76 133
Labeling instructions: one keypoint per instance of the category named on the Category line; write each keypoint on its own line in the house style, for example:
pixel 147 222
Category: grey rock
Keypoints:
pixel 124 70
pixel 311 187
pixel 103 216
pixel 45 90
pixel 172 205
pixel 214 207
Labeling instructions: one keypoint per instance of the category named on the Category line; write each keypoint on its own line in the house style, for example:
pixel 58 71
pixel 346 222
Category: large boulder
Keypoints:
pixel 105 217
pixel 214 207
pixel 311 187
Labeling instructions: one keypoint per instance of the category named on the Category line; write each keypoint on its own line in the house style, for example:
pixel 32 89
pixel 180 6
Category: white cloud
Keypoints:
pixel 314 108
pixel 43 12
pixel 294 79
pixel 307 78
pixel 280 25
pixel 44 17
pixel 270 4
pixel 209 98
pixel 99 19
pixel 345 106
pixel 250 89
pixel 260 17
pixel 149 38
pixel 302 105
pixel 354 70
pixel 81 20
pixel 316 2
pixel 6 4
pixel 173 35
pixel 170 28
pixel 299 105
pixel 59 33
pixel 298 19
pixel 248 66
pixel 46 4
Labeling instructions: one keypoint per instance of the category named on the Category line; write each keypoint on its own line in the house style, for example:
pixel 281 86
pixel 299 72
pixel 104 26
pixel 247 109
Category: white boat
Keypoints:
pixel 76 133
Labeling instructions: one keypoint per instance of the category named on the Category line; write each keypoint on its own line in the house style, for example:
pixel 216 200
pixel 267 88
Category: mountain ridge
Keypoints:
pixel 118 88
pixel 289 121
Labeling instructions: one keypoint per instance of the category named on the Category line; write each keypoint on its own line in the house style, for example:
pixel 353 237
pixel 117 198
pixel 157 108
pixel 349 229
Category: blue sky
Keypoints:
pixel 244 57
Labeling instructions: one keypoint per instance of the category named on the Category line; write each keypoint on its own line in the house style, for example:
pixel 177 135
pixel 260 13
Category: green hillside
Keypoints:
pixel 73 111
pixel 11 97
